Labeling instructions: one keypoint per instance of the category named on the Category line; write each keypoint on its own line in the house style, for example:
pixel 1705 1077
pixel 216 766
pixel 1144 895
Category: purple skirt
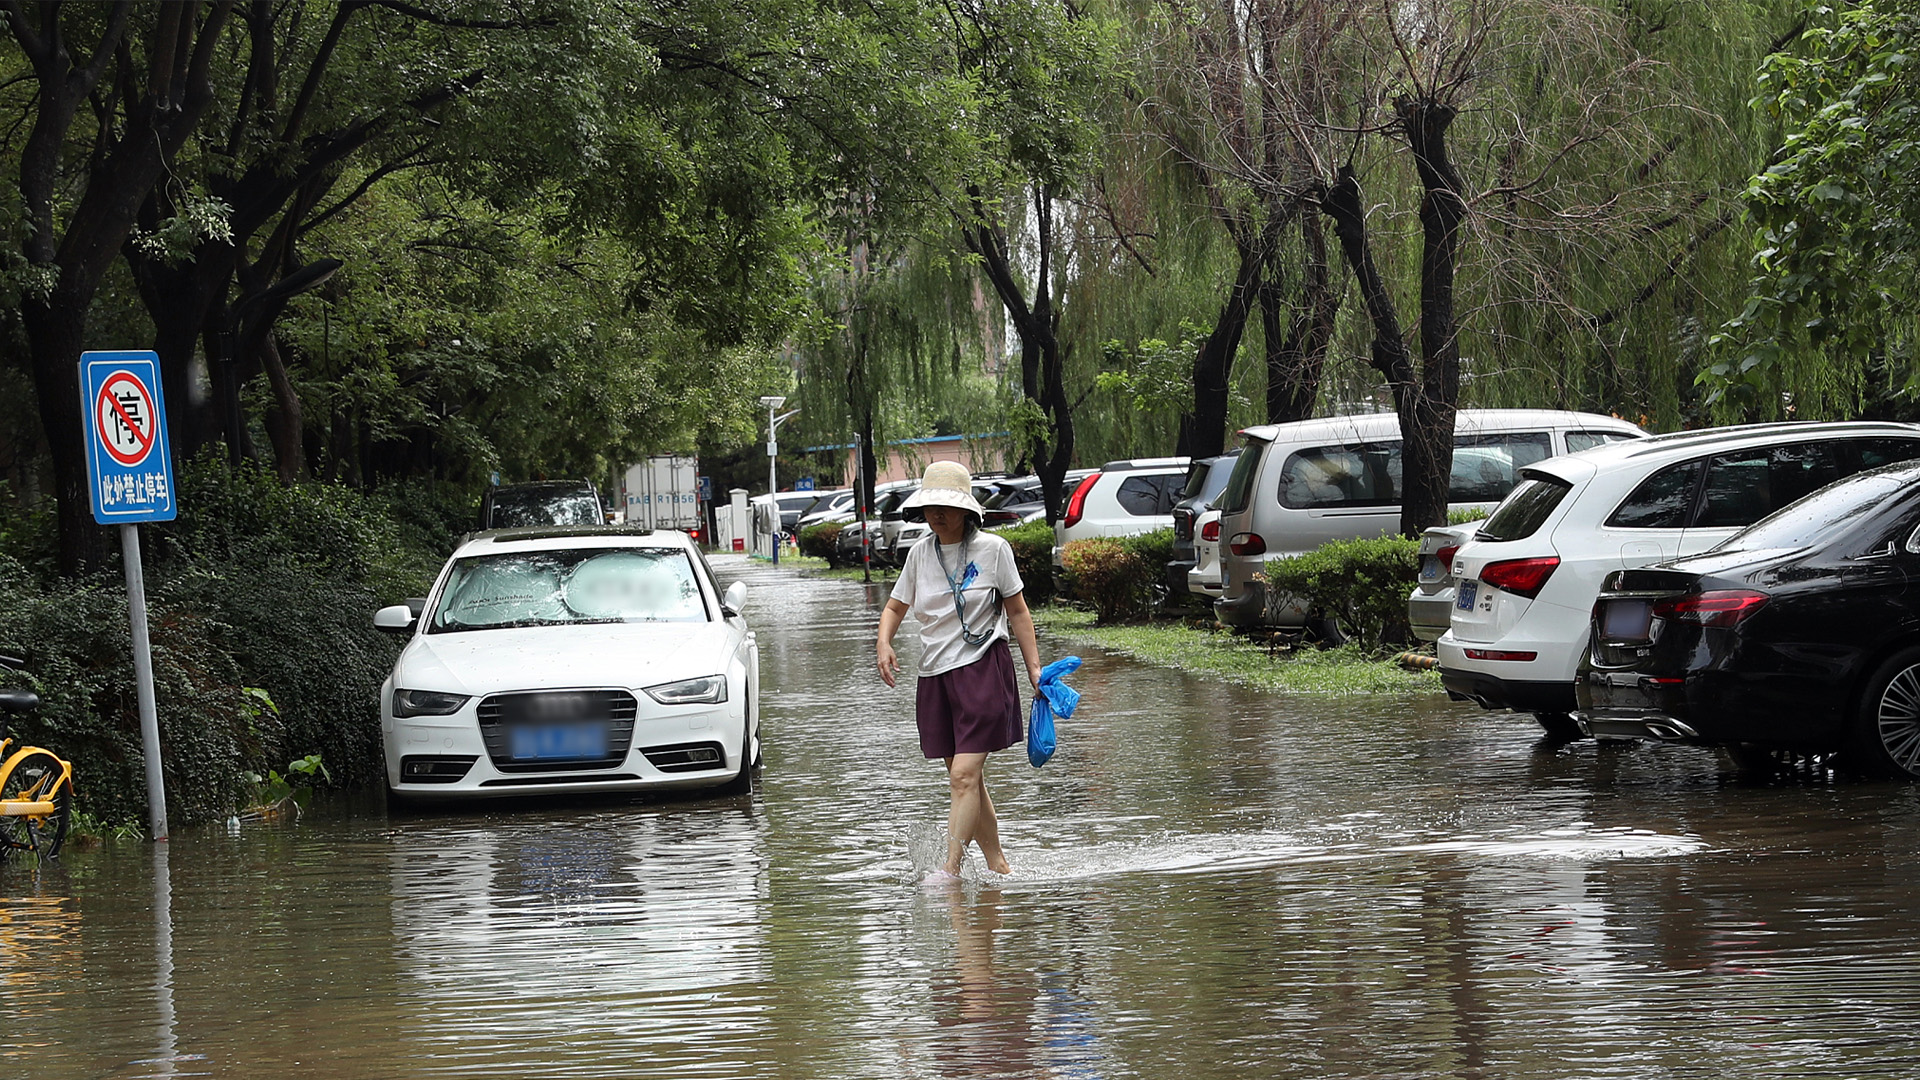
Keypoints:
pixel 970 710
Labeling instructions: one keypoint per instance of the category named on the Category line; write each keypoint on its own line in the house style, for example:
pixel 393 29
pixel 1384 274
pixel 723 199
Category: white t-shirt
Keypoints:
pixel 925 589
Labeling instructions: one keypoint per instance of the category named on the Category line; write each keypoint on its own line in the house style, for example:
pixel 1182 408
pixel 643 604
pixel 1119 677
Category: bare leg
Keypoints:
pixel 986 831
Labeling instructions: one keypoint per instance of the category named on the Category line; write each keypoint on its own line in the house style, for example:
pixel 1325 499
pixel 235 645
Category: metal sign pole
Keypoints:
pixel 143 680
pixel 130 480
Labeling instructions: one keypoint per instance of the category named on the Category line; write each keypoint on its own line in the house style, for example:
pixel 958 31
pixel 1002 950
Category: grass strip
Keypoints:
pixel 1224 655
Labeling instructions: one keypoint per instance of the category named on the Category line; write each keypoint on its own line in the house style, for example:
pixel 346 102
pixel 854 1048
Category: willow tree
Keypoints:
pixel 1828 328
pixel 1227 82
pixel 1516 189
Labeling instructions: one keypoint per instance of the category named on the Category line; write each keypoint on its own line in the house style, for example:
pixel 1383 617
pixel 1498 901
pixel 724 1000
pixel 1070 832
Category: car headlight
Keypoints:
pixel 426 703
pixel 705 690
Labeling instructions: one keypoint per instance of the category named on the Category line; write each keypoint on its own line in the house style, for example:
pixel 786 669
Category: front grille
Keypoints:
pixel 687 757
pixel 500 713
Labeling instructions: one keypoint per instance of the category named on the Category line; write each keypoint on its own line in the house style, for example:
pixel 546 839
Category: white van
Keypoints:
pixel 1300 485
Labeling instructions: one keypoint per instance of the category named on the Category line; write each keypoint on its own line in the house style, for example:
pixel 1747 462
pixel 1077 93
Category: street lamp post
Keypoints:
pixel 773 403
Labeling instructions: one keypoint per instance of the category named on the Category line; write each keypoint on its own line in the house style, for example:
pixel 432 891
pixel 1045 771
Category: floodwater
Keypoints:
pixel 1208 883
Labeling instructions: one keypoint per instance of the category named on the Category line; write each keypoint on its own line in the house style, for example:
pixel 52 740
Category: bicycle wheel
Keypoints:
pixel 36 778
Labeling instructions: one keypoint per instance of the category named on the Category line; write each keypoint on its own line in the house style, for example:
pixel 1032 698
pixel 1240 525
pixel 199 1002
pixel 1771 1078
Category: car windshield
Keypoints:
pixel 520 508
pixel 1822 515
pixel 557 588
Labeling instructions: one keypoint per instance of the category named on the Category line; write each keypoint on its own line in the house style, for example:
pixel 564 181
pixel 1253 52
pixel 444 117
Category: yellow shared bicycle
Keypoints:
pixel 36 786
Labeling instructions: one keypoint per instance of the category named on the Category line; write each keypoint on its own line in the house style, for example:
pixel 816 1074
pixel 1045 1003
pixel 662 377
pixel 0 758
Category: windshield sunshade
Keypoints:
pixel 555 588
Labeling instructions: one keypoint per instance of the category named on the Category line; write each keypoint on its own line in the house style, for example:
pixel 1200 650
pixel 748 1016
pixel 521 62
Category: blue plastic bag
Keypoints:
pixel 1053 698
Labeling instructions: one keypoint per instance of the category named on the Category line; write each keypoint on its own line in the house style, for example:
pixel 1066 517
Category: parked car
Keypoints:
pixel 543 502
pixel 1528 579
pixel 1799 632
pixel 792 505
pixel 1297 486
pixel 1204 579
pixel 1430 606
pixel 1020 499
pixel 854 536
pixel 1122 498
pixel 831 506
pixel 1206 478
pixel 564 660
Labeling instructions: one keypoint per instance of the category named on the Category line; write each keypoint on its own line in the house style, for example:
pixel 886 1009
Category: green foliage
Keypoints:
pixel 1155 549
pixel 260 600
pixel 274 793
pixel 822 541
pixel 1104 573
pixel 1462 515
pixel 1833 299
pixel 1364 583
pixel 1032 545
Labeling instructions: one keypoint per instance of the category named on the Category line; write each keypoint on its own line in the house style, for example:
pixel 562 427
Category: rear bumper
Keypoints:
pixel 1245 610
pixel 1177 572
pixel 1430 614
pixel 1629 705
pixel 1494 692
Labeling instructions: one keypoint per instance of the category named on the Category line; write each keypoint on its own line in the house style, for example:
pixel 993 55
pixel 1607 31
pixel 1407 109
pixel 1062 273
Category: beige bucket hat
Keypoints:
pixel 945 483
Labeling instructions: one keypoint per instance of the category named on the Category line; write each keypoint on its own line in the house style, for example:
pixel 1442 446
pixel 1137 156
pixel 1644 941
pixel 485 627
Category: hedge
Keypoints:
pixel 256 587
pixel 1364 583
pixel 1032 545
pixel 1122 577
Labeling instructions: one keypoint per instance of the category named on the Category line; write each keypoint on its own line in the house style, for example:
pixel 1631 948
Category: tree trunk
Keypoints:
pixel 1388 352
pixel 1297 347
pixel 1203 431
pixel 1427 462
pixel 56 328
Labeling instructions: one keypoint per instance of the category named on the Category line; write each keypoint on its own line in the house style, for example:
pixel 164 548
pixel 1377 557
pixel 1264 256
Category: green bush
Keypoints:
pixel 822 541
pixel 1032 545
pixel 256 587
pixel 79 654
pixel 1364 583
pixel 1154 548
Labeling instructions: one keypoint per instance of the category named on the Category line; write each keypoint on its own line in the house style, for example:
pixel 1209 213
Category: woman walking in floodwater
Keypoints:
pixel 962 588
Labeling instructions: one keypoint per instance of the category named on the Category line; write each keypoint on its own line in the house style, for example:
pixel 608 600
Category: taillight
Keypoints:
pixel 1247 544
pixel 1502 654
pixel 1522 577
pixel 1077 505
pixel 1445 556
pixel 1720 607
pixel 1210 532
pixel 1183 524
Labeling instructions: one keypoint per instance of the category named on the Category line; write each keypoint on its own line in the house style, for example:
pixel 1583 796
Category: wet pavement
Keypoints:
pixel 1209 882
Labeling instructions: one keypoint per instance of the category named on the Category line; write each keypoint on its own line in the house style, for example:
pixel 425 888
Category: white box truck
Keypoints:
pixel 662 493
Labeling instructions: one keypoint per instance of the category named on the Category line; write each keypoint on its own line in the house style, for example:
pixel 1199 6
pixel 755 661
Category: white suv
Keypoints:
pixel 1124 498
pixel 1528 579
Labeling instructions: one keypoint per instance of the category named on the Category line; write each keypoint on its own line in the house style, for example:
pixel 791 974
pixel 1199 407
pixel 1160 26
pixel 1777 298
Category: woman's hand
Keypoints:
pixel 888 662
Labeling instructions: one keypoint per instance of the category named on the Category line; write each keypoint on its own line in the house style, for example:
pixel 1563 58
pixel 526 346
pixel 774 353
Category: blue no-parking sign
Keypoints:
pixel 129 470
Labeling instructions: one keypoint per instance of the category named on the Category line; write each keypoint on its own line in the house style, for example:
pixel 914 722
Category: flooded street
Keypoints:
pixel 1208 882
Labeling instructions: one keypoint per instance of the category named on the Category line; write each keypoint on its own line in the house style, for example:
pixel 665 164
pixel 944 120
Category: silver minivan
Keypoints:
pixel 1300 485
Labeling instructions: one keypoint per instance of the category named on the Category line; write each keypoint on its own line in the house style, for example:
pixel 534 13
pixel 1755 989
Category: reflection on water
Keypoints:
pixel 1207 883
pixel 577 931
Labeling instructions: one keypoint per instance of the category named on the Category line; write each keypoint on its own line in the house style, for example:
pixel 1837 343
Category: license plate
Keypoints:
pixel 1626 620
pixel 1430 569
pixel 558 742
pixel 1469 591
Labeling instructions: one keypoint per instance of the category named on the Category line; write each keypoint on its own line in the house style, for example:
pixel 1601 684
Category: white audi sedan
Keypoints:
pixel 564 660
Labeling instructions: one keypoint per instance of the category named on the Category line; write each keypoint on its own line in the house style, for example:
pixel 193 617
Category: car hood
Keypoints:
pixel 631 655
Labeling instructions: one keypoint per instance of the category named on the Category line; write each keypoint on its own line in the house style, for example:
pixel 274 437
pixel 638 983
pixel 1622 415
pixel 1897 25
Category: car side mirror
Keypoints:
pixel 734 600
pixel 398 619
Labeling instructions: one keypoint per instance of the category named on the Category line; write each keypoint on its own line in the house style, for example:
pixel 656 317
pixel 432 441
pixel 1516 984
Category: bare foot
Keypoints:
pixel 997 862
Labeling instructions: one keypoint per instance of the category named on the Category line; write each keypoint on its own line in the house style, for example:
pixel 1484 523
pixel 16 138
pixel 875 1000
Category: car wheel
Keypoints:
pixel 1326 630
pixel 1886 729
pixel 1559 726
